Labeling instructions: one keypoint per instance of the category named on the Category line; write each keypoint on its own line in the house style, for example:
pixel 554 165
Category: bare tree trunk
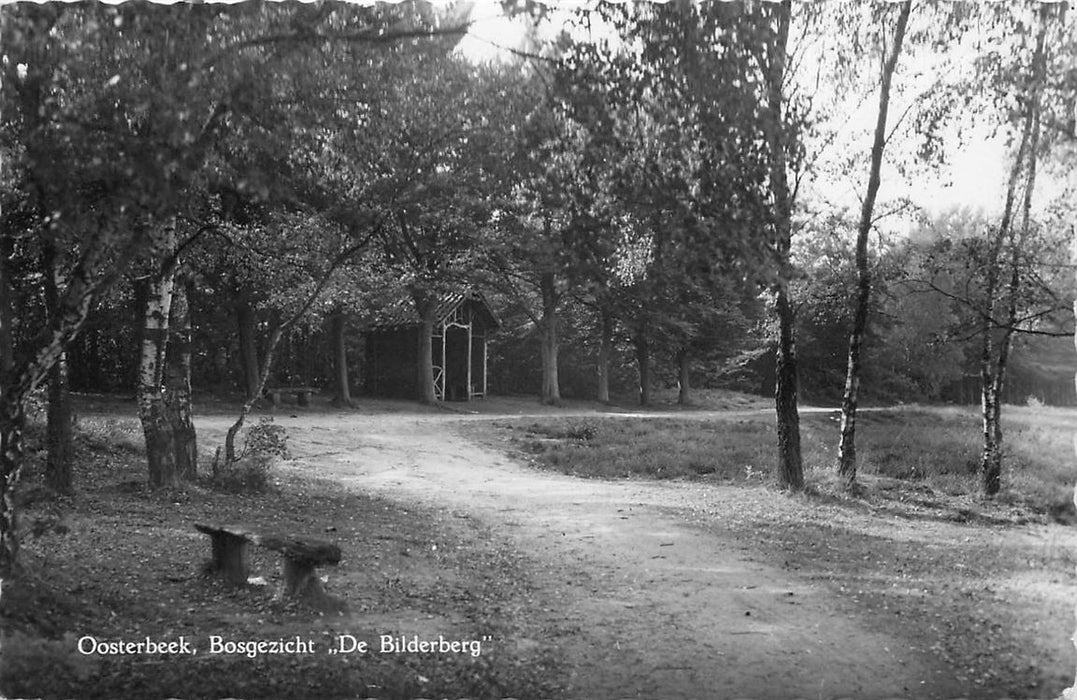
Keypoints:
pixel 139 290
pixel 230 456
pixel 177 397
pixel 605 350
pixel 425 365
pixel 1071 692
pixel 12 420
pixel 684 376
pixel 790 464
pixel 425 307
pixel 338 324
pixel 642 342
pixel 992 367
pixel 551 386
pixel 160 439
pixel 991 451
pixel 248 345
pixel 59 431
pixel 850 397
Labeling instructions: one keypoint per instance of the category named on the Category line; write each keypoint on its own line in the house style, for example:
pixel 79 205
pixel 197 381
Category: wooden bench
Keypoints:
pixel 302 394
pixel 300 557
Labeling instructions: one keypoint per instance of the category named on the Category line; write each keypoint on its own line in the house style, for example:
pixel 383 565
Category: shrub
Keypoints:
pixel 266 444
pixel 268 438
pixel 248 474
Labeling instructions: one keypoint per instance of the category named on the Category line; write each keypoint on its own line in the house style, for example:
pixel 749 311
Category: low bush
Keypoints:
pixel 266 444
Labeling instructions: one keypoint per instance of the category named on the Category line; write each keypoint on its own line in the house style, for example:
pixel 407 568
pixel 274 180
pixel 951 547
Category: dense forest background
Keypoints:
pixel 915 353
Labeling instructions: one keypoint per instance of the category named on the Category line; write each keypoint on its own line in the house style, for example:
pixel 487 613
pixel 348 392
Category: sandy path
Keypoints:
pixel 663 609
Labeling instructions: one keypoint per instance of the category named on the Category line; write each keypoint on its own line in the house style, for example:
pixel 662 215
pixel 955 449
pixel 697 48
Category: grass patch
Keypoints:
pixel 662 448
pixel 934 450
pixel 121 562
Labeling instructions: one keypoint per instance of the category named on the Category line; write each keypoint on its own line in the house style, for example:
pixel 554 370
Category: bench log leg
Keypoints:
pixel 231 557
pixel 302 398
pixel 301 582
pixel 301 579
pixel 274 398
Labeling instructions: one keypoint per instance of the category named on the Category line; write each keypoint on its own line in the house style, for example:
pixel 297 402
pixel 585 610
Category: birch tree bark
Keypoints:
pixel 993 358
pixel 152 412
pixel 850 397
pixel 1071 692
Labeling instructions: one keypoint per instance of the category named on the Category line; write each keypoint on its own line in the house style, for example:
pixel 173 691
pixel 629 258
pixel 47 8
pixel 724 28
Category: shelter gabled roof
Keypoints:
pixel 402 313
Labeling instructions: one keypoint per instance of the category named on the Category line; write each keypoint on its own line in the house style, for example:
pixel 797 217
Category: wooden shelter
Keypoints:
pixel 462 325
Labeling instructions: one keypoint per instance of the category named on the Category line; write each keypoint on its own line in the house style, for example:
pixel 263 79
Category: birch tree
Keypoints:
pixel 1003 277
pixel 847 444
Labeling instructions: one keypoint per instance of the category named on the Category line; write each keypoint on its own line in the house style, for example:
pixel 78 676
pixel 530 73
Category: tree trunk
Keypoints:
pixel 1071 692
pixel 684 376
pixel 248 345
pixel 425 307
pixel 275 335
pixel 643 363
pixel 425 364
pixel 12 421
pixel 605 350
pixel 177 396
pixel 160 447
pixel 992 367
pixel 338 324
pixel 59 431
pixel 991 452
pixel 850 397
pixel 790 465
pixel 139 289
pixel 551 386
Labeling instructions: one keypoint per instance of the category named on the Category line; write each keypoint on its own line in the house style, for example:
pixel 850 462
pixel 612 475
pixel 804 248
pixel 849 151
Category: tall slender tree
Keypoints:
pixel 847 444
